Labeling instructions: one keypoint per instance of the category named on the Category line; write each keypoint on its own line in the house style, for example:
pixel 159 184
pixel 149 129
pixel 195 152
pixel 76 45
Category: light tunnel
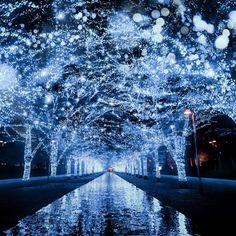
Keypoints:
pixel 117 117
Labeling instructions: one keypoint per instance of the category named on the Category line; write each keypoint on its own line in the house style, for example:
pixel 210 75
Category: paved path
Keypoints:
pixel 213 212
pixel 18 202
pixel 106 206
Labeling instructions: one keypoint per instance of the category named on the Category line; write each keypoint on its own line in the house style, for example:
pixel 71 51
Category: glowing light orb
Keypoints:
pixel 160 21
pixel 201 25
pixel 232 17
pixel 222 42
pixel 202 39
pixel 158 38
pixel 157 28
pixel 137 17
pixel 226 33
pixel 79 16
pixel 165 12
pixel 155 14
pixel 171 58
pixel 184 30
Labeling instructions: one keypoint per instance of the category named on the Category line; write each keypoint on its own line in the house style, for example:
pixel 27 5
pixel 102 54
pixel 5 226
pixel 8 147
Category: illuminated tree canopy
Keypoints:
pixel 111 79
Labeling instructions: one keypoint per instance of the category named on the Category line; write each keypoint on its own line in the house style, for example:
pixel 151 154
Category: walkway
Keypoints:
pixel 107 205
pixel 29 196
pixel 213 213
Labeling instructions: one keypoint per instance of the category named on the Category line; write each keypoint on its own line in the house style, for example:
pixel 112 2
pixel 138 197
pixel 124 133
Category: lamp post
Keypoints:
pixel 189 112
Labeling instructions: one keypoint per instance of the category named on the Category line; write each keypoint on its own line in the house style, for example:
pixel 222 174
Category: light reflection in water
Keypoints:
pixel 107 205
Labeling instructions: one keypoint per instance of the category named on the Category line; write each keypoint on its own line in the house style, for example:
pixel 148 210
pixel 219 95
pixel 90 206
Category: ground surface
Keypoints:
pixel 106 206
pixel 16 203
pixel 213 213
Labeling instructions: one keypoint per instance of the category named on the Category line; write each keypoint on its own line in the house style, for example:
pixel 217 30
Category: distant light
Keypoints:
pixel 48 99
pixel 60 16
pixel 79 16
pixel 2 143
pixel 94 15
pixel 171 58
pixel 80 27
pixel 202 39
pixel 82 78
pixel 210 72
pixel 85 18
pixel 36 122
pixel 44 72
pixel 188 112
pixel 212 142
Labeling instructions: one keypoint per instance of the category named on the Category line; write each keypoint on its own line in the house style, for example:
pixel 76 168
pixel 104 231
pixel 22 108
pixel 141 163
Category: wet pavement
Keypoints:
pixel 107 205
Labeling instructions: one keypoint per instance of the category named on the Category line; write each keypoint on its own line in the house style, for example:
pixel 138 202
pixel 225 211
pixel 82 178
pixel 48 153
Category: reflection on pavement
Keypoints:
pixel 107 205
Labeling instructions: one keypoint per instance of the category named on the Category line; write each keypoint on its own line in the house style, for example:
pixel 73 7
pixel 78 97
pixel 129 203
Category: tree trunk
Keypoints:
pixel 68 167
pixel 80 168
pixel 53 158
pixel 53 171
pixel 144 167
pixel 76 167
pixel 27 153
pixel 158 173
pixel 180 146
pixel 27 170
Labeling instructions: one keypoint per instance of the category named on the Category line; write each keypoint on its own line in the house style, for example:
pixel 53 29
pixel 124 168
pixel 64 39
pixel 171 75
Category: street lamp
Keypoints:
pixel 189 112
